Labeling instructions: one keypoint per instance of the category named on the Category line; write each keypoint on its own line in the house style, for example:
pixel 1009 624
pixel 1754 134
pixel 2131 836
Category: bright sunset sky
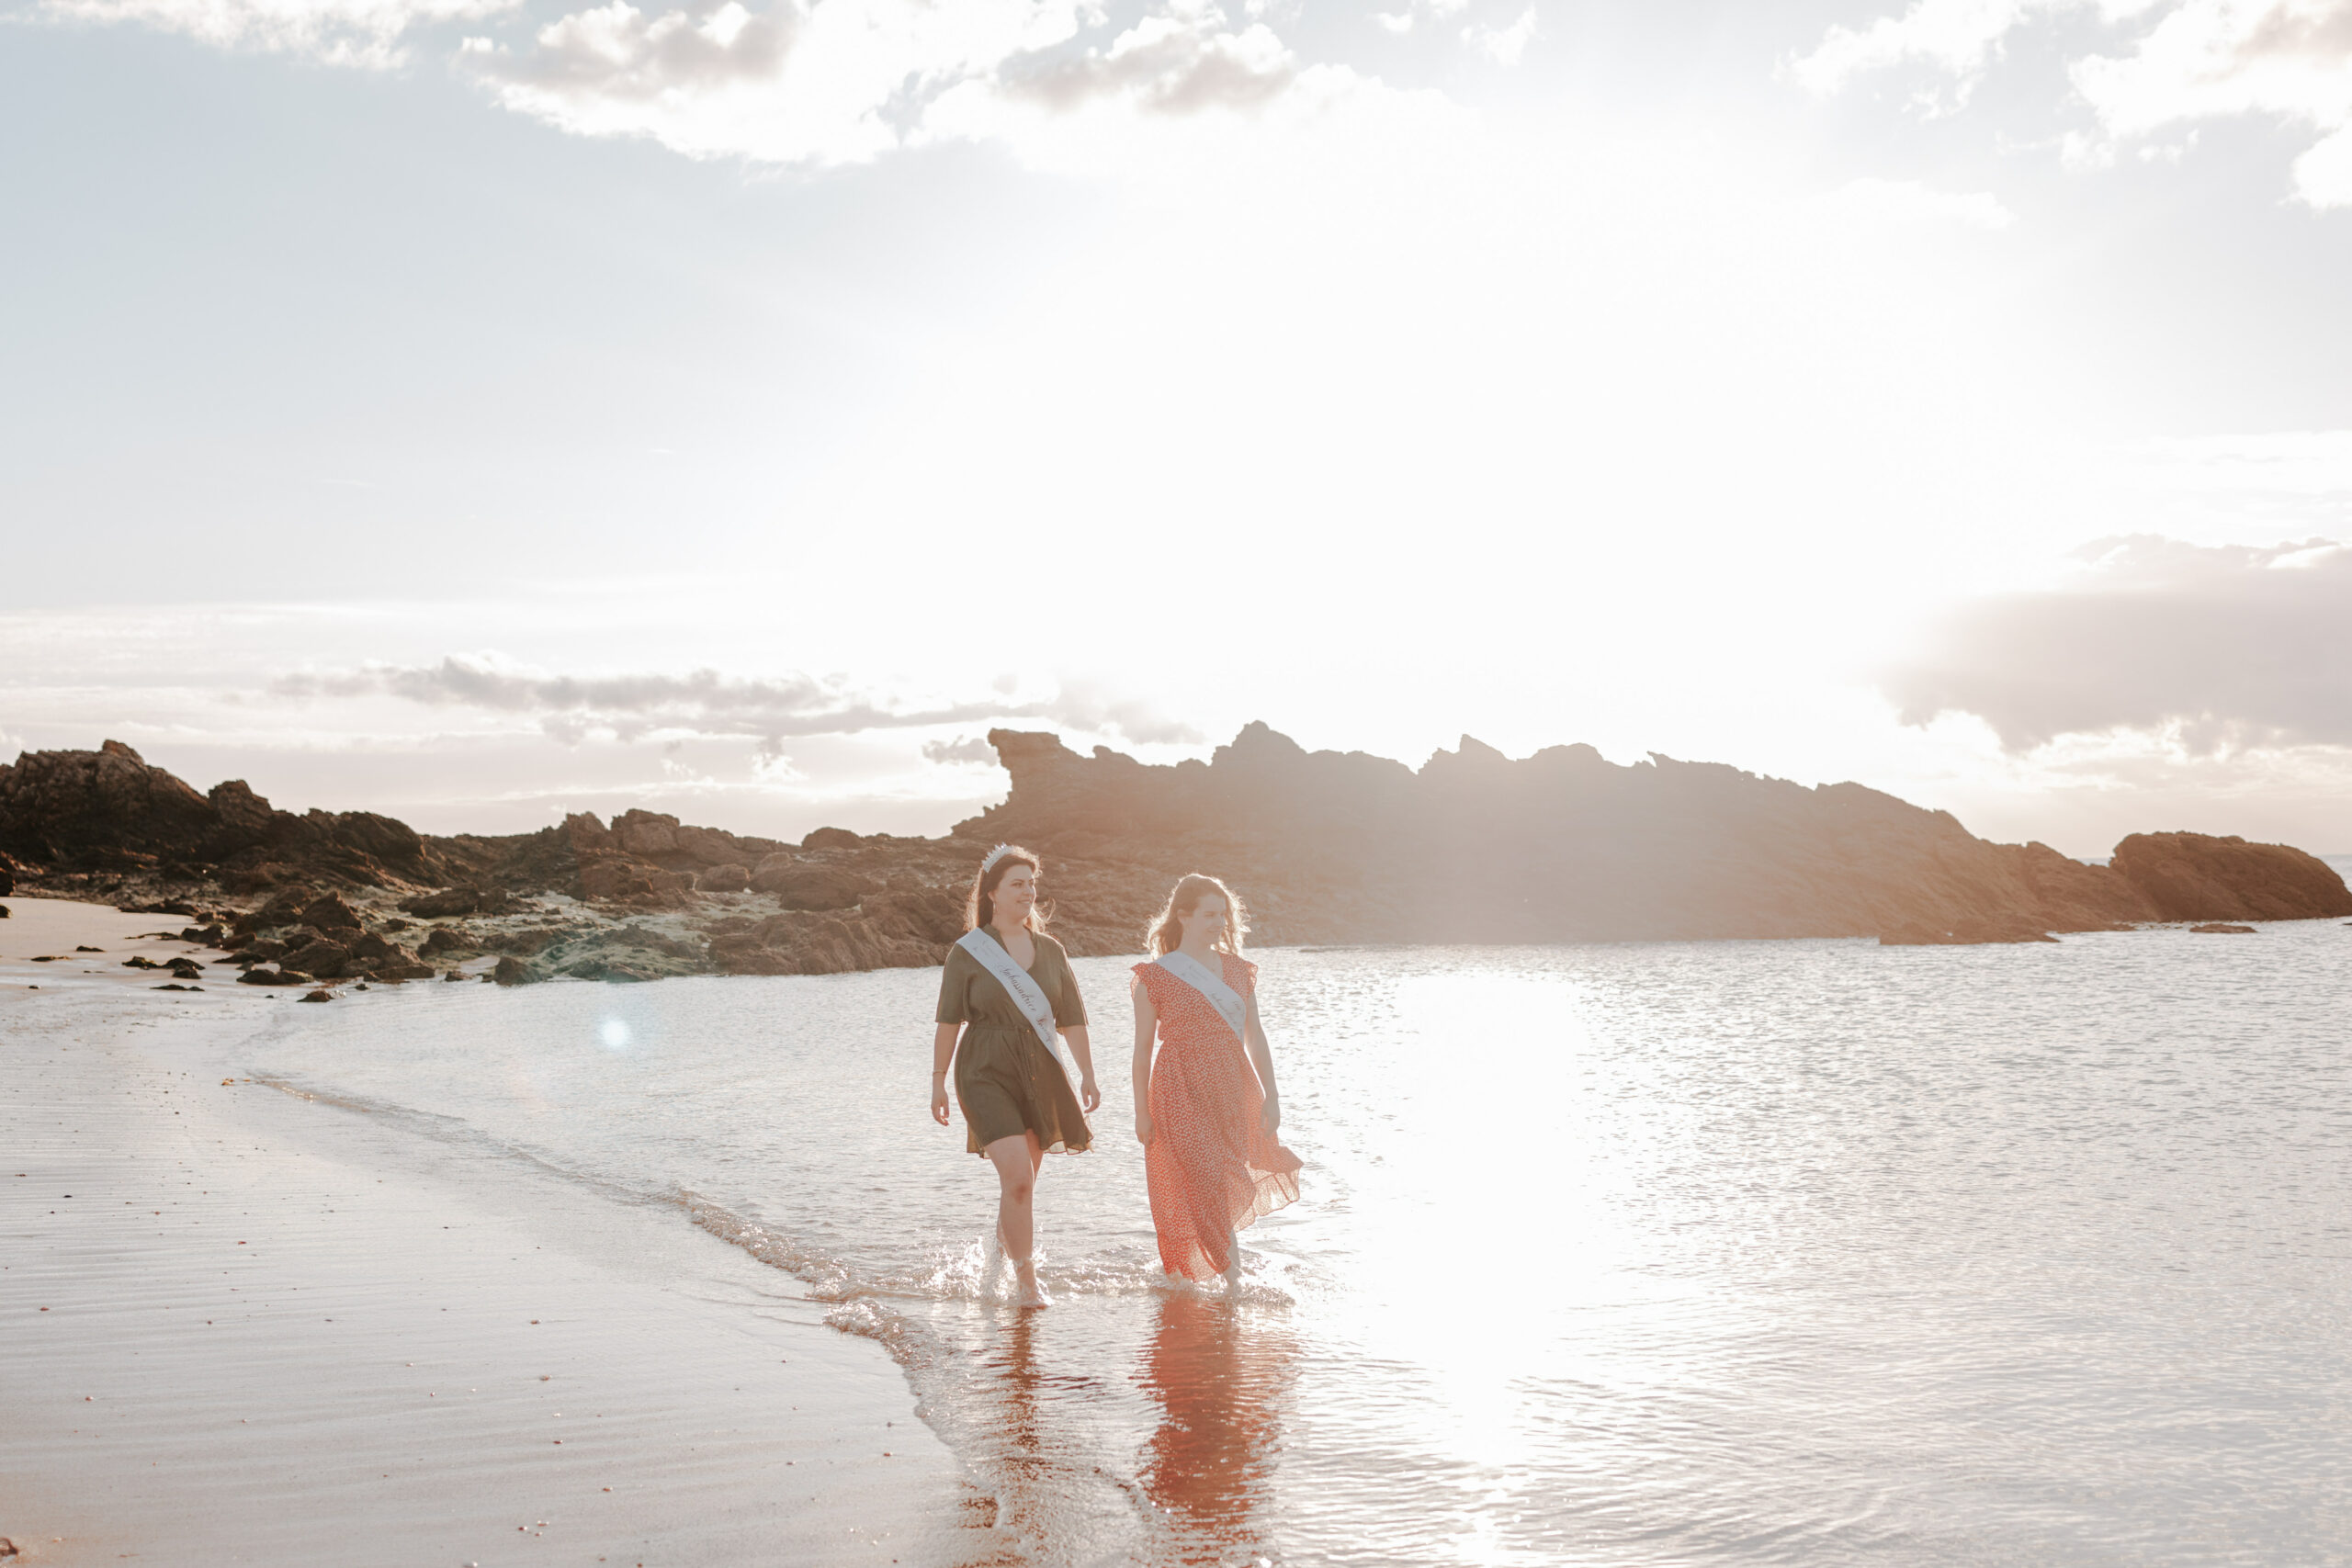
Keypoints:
pixel 477 410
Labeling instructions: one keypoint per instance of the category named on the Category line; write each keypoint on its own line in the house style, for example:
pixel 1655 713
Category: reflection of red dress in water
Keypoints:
pixel 1210 1167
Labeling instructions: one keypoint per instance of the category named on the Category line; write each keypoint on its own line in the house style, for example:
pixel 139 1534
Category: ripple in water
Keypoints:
pixel 1737 1252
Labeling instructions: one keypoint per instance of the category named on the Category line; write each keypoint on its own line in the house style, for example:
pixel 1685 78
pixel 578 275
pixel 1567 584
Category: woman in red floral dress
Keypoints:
pixel 1206 1110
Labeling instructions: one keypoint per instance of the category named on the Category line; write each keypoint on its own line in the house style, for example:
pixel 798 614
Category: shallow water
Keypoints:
pixel 1733 1252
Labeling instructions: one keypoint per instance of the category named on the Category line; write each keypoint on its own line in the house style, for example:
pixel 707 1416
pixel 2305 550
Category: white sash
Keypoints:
pixel 1210 983
pixel 1017 982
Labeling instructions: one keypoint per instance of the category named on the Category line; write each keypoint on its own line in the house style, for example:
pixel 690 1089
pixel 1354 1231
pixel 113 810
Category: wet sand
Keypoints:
pixel 245 1327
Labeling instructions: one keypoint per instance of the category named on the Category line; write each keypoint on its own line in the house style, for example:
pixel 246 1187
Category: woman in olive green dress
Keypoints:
pixel 1006 991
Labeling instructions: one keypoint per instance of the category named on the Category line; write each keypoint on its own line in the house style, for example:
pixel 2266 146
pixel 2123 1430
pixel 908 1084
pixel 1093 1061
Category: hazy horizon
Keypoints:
pixel 477 410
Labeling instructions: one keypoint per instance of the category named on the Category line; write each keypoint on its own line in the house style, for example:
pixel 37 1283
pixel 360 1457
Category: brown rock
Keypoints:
pixel 318 996
pixel 443 939
pixel 609 878
pixel 331 914
pixel 710 846
pixel 71 807
pixel 747 955
pixel 646 833
pixel 244 816
pixel 2193 876
pixel 326 959
pixel 798 886
pixel 930 917
pixel 512 971
pixel 448 901
pixel 729 878
pixel 830 839
pixel 267 977
pixel 2217 928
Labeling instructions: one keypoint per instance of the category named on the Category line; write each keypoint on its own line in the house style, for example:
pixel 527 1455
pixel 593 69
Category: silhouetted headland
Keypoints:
pixel 1328 847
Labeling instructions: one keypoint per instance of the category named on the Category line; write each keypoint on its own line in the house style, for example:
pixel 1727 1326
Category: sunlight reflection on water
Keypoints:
pixel 1741 1252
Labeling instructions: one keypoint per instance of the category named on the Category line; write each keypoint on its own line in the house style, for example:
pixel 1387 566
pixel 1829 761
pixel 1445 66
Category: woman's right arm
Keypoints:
pixel 1147 1019
pixel 943 1053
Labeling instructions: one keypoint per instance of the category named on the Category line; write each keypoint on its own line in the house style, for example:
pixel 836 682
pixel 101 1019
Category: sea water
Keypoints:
pixel 1803 1252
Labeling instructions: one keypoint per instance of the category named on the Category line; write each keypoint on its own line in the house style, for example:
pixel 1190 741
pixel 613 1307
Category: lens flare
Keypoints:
pixel 614 1033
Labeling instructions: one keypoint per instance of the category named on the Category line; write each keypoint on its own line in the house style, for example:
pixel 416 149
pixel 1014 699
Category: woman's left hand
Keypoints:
pixel 1090 1098
pixel 1272 1117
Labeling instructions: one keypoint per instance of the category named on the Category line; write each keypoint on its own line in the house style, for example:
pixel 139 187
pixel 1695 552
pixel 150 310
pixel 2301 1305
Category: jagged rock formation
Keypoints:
pixel 108 811
pixel 2188 876
pixel 1563 846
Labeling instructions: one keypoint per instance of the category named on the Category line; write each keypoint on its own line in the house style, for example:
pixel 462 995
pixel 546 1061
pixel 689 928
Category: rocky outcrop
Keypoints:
pixel 798 885
pixel 1473 846
pixel 2188 876
pixel 1565 846
pixel 108 811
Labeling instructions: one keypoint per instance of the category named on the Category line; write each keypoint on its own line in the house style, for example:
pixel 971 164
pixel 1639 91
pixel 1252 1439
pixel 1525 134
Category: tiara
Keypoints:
pixel 995 855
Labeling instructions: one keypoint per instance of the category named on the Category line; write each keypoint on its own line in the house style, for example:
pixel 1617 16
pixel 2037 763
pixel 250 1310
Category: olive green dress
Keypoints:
pixel 1005 1078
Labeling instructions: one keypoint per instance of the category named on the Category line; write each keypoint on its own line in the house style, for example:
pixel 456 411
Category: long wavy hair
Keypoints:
pixel 980 910
pixel 1167 932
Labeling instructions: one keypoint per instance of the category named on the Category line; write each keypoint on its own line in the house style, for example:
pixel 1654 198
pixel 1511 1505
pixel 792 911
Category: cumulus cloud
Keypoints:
pixel 807 83
pixel 1504 46
pixel 831 82
pixel 966 748
pixel 1186 60
pixel 341 32
pixel 2180 61
pixel 2217 648
pixel 802 82
pixel 704 704
pixel 1956 36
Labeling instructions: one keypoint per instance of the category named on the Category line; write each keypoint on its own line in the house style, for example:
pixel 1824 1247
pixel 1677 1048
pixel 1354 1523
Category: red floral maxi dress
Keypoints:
pixel 1210 1167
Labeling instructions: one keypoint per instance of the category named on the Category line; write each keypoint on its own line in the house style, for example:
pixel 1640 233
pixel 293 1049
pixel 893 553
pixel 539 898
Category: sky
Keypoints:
pixel 480 410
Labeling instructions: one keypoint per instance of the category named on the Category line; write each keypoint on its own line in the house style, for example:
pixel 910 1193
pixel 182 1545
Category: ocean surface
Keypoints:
pixel 1801 1252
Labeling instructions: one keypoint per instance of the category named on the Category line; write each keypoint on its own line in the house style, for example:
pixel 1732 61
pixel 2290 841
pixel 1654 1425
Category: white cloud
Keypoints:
pixel 803 82
pixel 2209 648
pixel 2323 174
pixel 1186 60
pixel 1504 46
pixel 704 704
pixel 1957 36
pixel 2180 61
pixel 967 749
pixel 342 32
pixel 2290 59
pixel 831 82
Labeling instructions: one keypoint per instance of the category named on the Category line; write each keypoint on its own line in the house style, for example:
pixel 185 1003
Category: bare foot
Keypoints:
pixel 1029 1294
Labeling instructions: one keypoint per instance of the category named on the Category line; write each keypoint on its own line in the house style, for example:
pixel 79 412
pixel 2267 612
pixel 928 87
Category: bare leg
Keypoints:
pixel 1232 1263
pixel 1017 1161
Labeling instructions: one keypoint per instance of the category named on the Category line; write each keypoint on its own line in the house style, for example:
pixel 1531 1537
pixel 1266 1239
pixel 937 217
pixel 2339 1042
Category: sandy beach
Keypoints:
pixel 248 1328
